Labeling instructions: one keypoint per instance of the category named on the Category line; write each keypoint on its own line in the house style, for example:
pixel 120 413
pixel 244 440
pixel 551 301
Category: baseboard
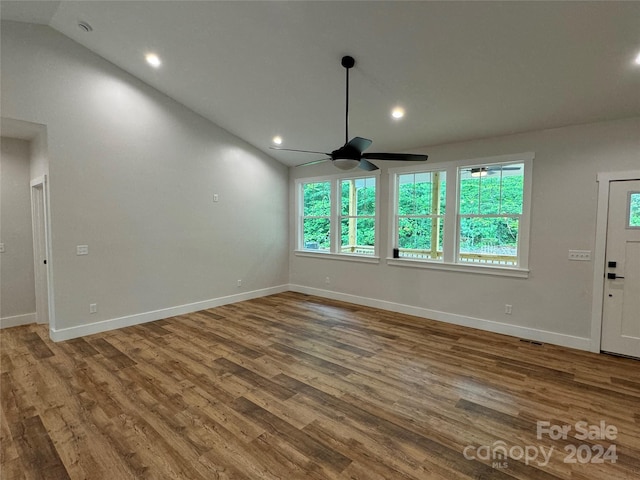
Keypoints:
pixel 543 336
pixel 62 334
pixel 18 320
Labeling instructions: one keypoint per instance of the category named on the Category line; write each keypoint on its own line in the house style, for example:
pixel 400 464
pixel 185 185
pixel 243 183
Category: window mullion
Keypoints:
pixel 449 247
pixel 336 220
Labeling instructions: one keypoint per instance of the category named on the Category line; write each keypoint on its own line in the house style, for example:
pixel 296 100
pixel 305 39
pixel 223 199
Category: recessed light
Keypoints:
pixel 153 60
pixel 397 112
pixel 277 140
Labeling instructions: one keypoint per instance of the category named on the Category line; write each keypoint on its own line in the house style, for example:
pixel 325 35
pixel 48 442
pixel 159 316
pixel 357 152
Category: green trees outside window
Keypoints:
pixel 316 216
pixel 482 225
pixel 490 207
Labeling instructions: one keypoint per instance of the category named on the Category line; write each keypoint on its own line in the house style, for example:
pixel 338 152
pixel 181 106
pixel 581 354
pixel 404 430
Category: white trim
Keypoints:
pixel 44 182
pixel 544 336
pixel 129 320
pixel 17 320
pixel 349 257
pixel 460 267
pixel 599 253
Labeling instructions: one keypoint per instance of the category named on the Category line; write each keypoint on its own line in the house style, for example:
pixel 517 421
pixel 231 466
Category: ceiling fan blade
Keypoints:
pixel 366 165
pixel 360 143
pixel 302 151
pixel 313 163
pixel 400 157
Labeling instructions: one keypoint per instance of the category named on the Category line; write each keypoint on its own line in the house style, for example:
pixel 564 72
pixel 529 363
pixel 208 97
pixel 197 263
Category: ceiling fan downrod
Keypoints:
pixel 347 62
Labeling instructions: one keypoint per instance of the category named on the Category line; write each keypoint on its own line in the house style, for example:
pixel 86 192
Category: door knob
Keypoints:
pixel 613 276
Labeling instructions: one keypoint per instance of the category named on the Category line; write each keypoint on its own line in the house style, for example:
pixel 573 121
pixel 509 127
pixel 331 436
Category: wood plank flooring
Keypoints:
pixel 298 387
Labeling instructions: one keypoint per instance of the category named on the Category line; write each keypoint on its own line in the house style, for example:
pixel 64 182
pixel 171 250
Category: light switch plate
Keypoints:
pixel 1 247
pixel 82 249
pixel 580 255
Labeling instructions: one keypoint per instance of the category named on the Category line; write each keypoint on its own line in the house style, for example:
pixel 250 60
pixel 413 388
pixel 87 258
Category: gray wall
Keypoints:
pixel 17 284
pixel 132 175
pixel 556 298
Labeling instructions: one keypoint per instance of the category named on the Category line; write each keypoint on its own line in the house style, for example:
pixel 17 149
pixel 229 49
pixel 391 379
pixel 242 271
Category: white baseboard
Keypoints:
pixel 129 320
pixel 462 320
pixel 543 336
pixel 18 320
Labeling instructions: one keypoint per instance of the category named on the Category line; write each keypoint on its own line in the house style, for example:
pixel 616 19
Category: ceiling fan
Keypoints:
pixel 351 155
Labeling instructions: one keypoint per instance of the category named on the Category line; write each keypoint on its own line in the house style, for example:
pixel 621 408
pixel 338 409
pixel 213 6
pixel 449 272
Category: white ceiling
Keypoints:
pixel 462 70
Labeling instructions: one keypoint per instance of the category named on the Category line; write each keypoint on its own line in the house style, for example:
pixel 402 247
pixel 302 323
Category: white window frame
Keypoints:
pixel 451 218
pixel 334 226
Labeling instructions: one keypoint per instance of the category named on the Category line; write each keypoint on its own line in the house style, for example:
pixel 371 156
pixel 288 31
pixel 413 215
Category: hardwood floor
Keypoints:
pixel 292 386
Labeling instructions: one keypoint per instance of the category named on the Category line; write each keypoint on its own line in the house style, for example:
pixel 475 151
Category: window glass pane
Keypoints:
pixel 470 191
pixel 316 234
pixel 358 196
pixel 317 199
pixel 490 193
pixel 416 193
pixel 420 237
pixel 634 210
pixel 358 235
pixel 491 189
pixel 489 240
pixel 512 188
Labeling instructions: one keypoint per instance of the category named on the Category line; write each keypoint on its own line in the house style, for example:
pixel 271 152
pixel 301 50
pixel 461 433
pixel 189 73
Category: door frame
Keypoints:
pixel 604 180
pixel 42 183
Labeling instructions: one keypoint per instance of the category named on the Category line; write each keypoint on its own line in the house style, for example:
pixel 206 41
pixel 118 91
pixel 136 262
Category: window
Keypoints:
pixel 634 210
pixel 479 220
pixel 420 219
pixel 489 213
pixel 358 216
pixel 316 216
pixel 338 215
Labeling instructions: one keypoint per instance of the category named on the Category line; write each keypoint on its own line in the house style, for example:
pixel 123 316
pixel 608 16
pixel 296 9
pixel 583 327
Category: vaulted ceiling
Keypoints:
pixel 461 70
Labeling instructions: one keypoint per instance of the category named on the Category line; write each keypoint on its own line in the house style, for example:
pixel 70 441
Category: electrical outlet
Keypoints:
pixel 1 247
pixel 580 255
pixel 239 283
pixel 507 309
pixel 82 249
pixel 327 280
pixel 93 308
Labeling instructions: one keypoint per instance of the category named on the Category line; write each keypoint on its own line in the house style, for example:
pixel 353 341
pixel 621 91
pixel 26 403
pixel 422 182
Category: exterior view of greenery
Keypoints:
pixel 634 210
pixel 490 207
pixel 357 215
pixel 421 208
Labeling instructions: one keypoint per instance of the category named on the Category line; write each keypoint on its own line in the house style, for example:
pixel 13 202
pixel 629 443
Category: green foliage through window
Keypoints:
pixel 357 215
pixel 316 223
pixel 421 208
pixel 634 210
pixel 491 198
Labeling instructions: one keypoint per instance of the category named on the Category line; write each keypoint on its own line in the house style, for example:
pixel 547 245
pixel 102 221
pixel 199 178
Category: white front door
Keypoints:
pixel 621 306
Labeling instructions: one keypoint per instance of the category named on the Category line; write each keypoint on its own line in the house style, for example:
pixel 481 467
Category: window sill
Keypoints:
pixel 349 257
pixel 459 267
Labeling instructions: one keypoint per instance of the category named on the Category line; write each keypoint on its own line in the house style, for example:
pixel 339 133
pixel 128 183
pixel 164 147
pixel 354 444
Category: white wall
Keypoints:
pixel 132 175
pixel 17 284
pixel 554 303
